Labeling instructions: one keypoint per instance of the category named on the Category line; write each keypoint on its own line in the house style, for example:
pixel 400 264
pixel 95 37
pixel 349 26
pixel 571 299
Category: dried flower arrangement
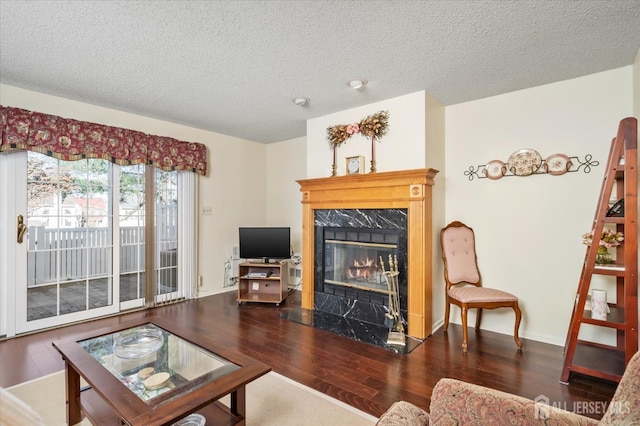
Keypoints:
pixel 373 126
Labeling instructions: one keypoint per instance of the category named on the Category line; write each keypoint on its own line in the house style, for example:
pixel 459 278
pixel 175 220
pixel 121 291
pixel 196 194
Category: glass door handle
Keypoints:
pixel 22 228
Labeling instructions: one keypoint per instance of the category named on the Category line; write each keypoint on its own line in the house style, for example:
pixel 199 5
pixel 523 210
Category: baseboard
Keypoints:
pixel 216 291
pixel 542 338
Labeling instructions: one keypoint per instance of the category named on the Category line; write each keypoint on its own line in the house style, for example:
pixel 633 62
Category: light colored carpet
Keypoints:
pixel 271 400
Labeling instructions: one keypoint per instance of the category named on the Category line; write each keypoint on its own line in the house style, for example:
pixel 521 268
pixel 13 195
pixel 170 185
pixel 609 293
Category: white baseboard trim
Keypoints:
pixel 216 291
pixel 542 338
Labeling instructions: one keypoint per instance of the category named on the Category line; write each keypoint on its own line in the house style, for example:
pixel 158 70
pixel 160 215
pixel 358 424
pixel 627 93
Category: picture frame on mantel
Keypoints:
pixel 354 165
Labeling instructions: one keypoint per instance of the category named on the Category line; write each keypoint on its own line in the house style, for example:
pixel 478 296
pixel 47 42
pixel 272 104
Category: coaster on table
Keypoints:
pixel 145 372
pixel 157 381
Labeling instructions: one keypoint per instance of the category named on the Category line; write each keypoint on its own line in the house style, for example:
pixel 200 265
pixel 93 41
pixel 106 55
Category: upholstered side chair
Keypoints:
pixel 464 282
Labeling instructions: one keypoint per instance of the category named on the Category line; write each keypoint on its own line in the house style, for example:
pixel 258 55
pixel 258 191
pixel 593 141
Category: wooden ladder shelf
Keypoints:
pixel 608 361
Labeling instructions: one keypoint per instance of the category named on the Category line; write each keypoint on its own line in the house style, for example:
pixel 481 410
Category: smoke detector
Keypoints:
pixel 357 84
pixel 301 101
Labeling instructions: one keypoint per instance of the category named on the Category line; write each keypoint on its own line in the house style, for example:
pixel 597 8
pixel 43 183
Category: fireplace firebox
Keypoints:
pixel 356 264
pixel 352 247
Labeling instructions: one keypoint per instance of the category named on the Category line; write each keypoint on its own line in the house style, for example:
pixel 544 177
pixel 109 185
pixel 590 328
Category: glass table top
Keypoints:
pixel 151 361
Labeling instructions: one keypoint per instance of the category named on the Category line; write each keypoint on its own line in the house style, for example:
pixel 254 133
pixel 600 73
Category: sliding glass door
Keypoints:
pixel 87 228
pixel 68 243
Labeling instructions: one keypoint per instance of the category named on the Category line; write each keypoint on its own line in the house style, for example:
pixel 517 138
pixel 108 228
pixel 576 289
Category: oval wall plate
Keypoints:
pixel 524 162
pixel 495 169
pixel 557 164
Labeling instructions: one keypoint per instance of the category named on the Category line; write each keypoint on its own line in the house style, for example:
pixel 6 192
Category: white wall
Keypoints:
pixel 435 158
pixel 286 163
pixel 236 189
pixel 528 228
pixel 401 148
pixel 237 170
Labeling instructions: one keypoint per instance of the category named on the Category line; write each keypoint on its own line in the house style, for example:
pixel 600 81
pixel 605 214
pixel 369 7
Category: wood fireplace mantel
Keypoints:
pixel 405 189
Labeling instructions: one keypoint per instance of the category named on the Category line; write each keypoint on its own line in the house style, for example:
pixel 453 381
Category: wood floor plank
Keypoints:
pixel 362 375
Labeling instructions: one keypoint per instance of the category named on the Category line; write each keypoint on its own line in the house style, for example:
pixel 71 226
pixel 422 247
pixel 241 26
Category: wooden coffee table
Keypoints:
pixel 154 372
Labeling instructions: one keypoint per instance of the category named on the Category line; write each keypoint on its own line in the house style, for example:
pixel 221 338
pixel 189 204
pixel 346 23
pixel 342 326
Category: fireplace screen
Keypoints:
pixel 348 276
pixel 357 264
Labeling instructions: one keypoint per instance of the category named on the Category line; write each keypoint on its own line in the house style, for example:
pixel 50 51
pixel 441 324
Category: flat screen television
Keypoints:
pixel 265 243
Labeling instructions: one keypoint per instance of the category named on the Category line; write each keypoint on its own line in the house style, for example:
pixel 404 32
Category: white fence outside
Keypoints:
pixel 86 252
pixel 83 252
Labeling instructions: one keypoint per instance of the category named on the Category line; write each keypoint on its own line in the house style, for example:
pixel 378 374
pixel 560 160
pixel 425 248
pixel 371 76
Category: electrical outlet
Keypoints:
pixel 207 211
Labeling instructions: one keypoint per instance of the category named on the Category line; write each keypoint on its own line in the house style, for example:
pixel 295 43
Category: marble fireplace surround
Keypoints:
pixel 348 277
pixel 405 189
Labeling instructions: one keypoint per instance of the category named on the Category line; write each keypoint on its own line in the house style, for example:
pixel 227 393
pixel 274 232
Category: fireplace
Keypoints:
pixel 395 206
pixel 353 247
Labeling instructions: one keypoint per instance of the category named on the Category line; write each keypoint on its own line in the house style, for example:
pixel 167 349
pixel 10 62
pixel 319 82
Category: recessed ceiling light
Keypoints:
pixel 301 101
pixel 357 84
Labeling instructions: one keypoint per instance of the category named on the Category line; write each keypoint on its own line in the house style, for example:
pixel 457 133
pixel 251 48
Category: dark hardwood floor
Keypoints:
pixel 362 375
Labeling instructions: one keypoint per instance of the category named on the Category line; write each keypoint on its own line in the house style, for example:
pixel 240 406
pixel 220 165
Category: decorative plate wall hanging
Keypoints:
pixel 527 162
pixel 557 164
pixel 495 169
pixel 524 162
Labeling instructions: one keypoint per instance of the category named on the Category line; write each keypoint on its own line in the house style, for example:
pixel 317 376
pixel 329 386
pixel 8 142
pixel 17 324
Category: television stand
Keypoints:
pixel 263 281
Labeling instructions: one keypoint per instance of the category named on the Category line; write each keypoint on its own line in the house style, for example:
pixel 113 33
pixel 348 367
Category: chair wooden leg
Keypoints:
pixel 465 332
pixel 478 318
pixel 446 316
pixel 516 308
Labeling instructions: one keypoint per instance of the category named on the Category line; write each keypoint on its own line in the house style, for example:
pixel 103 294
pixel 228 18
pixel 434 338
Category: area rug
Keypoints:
pixel 272 399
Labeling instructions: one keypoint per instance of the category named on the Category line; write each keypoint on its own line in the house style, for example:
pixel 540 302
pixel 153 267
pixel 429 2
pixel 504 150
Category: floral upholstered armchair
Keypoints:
pixel 458 403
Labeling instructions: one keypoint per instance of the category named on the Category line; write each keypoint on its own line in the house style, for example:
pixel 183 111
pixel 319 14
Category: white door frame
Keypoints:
pixel 13 256
pixel 14 270
pixel 8 234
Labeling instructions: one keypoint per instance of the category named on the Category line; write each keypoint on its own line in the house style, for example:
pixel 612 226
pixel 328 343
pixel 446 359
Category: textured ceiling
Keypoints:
pixel 234 67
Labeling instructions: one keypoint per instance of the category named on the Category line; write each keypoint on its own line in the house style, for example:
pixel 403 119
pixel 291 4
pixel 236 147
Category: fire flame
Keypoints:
pixel 362 268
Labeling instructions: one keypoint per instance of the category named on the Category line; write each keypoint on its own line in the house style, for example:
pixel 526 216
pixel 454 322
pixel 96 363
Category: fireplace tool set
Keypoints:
pixel 393 316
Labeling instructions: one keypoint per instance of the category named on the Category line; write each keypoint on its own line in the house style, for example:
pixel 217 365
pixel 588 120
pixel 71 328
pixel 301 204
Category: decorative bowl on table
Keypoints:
pixel 191 420
pixel 138 342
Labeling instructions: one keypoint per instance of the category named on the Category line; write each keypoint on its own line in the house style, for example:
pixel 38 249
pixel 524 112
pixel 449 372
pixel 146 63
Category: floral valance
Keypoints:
pixel 68 139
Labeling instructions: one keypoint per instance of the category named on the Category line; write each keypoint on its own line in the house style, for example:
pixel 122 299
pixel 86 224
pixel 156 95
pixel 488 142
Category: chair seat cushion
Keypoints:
pixel 480 295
